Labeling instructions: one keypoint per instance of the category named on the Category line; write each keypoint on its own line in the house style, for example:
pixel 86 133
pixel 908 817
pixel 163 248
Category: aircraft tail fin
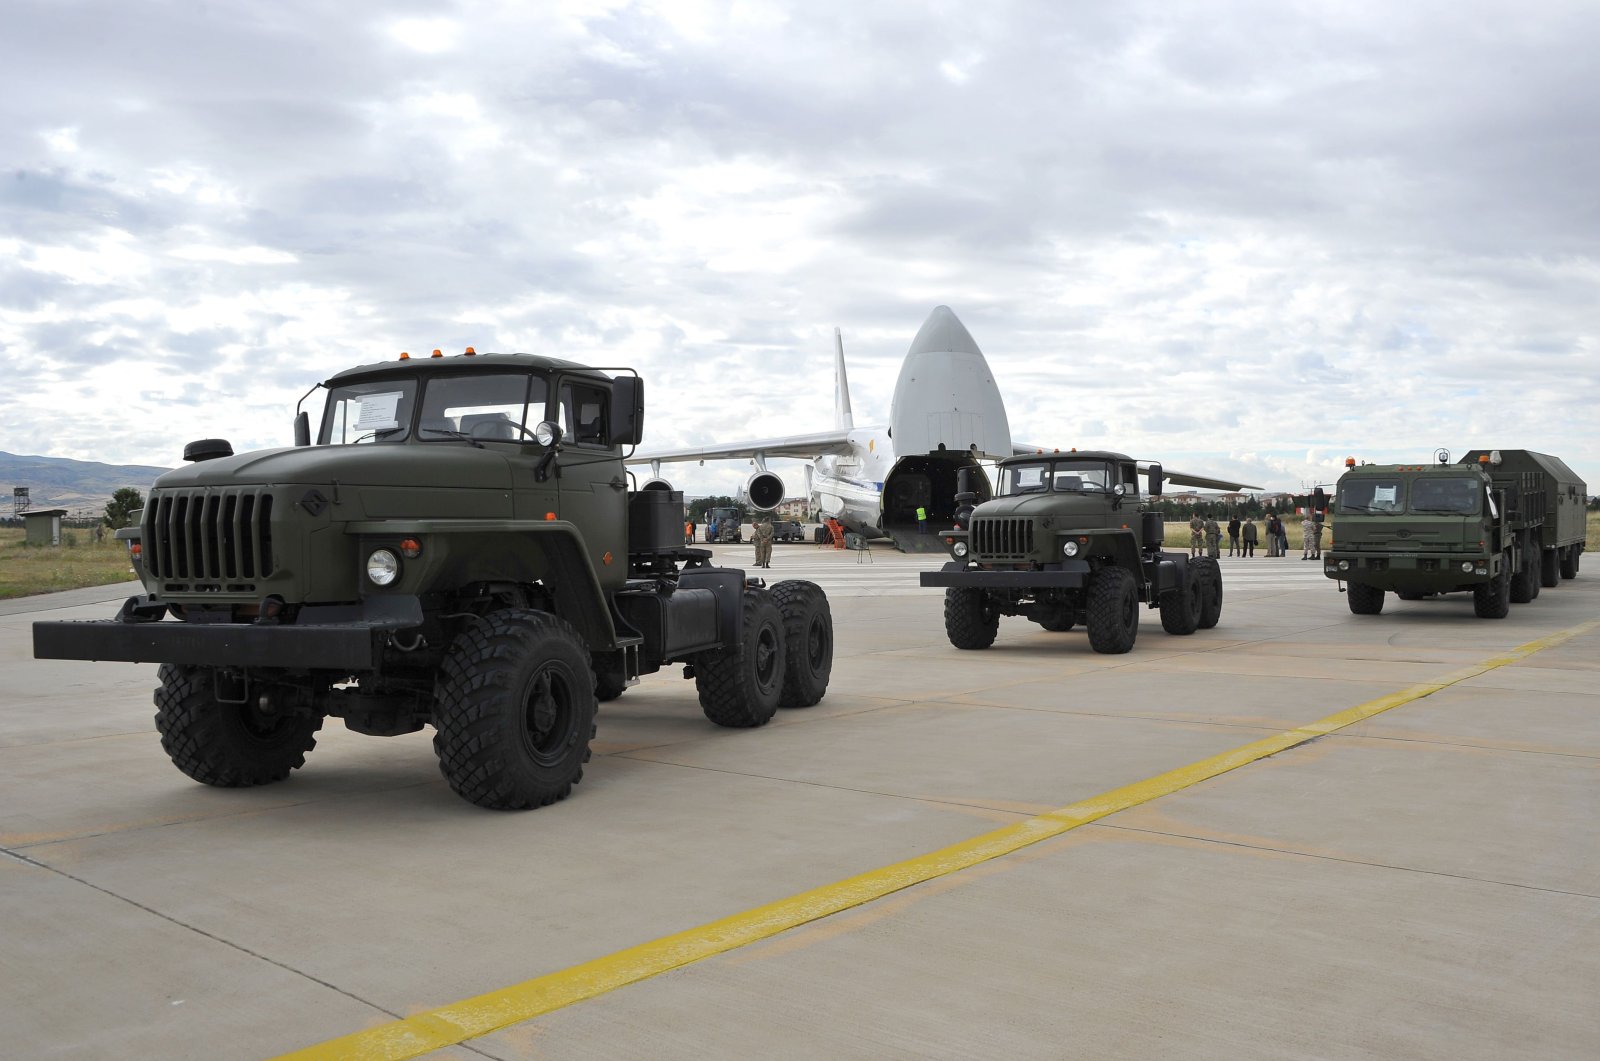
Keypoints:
pixel 843 419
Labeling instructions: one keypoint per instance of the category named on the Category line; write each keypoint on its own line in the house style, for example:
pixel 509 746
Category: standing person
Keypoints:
pixel 922 520
pixel 1248 548
pixel 1233 537
pixel 1213 537
pixel 1312 529
pixel 763 538
pixel 1283 537
pixel 711 530
pixel 1272 534
pixel 1197 528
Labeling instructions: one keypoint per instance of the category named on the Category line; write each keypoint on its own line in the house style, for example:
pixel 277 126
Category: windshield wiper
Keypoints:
pixel 453 433
pixel 374 434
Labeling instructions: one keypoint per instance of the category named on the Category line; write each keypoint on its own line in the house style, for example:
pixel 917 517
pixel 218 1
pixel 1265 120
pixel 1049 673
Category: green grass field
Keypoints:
pixel 77 562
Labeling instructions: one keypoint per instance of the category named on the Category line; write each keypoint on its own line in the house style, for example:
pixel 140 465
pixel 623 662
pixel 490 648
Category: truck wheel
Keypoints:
pixel 222 744
pixel 1550 568
pixel 740 684
pixel 807 640
pixel 1113 611
pixel 1492 599
pixel 514 710
pixel 969 620
pixel 1569 562
pixel 1180 609
pixel 1210 581
pixel 1057 620
pixel 609 679
pixel 1525 583
pixel 1364 600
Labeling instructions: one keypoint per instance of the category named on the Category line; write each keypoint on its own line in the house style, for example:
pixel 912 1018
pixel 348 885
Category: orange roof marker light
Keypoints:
pixel 548 516
pixel 469 352
pixel 1349 462
pixel 437 354
pixel 1483 458
pixel 404 356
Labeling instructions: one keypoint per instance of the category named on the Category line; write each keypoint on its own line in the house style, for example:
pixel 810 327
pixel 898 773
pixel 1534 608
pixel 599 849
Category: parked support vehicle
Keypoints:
pixel 1064 543
pixel 1500 524
pixel 459 547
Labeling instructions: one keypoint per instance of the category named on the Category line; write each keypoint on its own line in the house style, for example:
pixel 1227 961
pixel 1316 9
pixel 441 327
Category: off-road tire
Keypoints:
pixel 1208 574
pixel 1112 612
pixel 1492 599
pixel 513 710
pixel 740 685
pixel 1057 620
pixel 1180 608
pixel 1364 599
pixel 222 744
pixel 1569 562
pixel 1550 568
pixel 1525 583
pixel 970 621
pixel 610 681
pixel 807 640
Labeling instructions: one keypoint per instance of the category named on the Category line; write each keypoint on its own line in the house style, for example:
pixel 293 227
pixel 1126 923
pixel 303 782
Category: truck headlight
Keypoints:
pixel 1344 565
pixel 383 567
pixel 959 549
pixel 1466 565
pixel 1069 549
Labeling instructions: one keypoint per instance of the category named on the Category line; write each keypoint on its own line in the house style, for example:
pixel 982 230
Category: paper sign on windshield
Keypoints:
pixel 378 411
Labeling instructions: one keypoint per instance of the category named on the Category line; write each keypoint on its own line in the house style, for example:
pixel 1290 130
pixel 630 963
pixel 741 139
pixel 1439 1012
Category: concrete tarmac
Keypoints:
pixel 1422 884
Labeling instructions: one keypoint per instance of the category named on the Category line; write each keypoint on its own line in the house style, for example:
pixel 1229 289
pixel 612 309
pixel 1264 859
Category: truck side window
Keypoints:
pixel 583 414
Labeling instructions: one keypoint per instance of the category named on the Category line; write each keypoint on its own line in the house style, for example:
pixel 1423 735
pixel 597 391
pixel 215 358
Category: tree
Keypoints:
pixel 119 510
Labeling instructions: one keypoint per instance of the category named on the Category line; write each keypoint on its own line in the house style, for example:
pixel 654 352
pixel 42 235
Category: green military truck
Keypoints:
pixel 1498 523
pixel 1065 543
pixel 459 546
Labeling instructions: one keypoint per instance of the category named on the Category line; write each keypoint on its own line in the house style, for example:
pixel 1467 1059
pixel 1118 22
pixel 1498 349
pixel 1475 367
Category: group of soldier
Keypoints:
pixel 761 535
pixel 1205 537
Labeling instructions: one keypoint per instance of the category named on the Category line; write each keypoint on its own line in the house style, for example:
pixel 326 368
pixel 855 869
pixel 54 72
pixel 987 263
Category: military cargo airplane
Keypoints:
pixel 946 417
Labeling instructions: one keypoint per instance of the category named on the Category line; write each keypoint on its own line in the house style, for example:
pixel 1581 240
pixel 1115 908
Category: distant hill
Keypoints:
pixel 60 482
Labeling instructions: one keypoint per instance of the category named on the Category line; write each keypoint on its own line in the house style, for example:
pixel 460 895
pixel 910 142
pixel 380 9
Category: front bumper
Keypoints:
pixel 344 639
pixel 1422 572
pixel 1070 574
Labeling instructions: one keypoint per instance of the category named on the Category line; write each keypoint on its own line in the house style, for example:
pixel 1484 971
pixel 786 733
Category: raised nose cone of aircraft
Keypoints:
pixel 943 333
pixel 946 398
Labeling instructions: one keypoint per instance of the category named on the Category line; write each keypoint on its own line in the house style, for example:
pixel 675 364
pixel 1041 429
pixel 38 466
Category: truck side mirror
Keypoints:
pixel 627 411
pixel 302 429
pixel 1155 481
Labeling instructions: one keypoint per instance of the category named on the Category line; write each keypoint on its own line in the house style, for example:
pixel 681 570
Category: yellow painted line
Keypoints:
pixel 457 1022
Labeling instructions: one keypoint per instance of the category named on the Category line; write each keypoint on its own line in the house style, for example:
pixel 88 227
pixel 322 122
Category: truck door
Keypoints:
pixel 593 487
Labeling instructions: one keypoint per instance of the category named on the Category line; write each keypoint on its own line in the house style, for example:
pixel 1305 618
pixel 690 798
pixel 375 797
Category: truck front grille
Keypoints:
pixel 1000 538
pixel 209 534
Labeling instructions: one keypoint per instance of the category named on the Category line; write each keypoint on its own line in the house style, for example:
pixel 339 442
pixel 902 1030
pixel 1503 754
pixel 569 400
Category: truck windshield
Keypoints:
pixel 1060 476
pixel 368 412
pixel 1456 495
pixel 487 406
pixel 1372 494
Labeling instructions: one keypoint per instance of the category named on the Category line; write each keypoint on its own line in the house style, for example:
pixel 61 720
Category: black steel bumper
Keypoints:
pixel 343 639
pixel 1072 574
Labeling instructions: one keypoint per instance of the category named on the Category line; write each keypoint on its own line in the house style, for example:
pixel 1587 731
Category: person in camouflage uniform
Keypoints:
pixel 1197 529
pixel 762 535
pixel 1213 537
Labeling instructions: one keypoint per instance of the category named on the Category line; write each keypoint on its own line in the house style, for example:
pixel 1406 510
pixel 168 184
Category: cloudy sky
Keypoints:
pixel 1246 238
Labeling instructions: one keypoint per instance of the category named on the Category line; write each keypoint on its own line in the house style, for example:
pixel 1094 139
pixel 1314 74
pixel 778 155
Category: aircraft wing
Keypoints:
pixel 804 447
pixel 1168 475
pixel 1185 479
